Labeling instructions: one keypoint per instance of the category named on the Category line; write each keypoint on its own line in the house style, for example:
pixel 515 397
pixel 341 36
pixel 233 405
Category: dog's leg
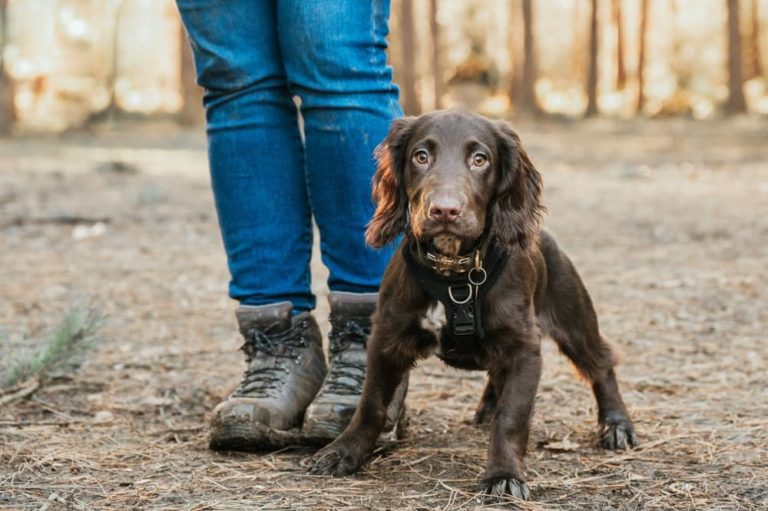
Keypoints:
pixel 616 428
pixel 594 359
pixel 487 406
pixel 516 384
pixel 581 342
pixel 386 369
pixel 579 339
pixel 569 317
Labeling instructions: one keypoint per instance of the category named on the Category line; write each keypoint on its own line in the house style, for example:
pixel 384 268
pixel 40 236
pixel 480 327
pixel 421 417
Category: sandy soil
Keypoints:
pixel 667 222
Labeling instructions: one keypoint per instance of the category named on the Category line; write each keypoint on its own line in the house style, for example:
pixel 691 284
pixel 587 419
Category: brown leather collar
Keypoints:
pixel 459 264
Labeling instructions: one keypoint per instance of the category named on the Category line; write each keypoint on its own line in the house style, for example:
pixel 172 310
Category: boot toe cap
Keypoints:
pixel 245 424
pixel 326 421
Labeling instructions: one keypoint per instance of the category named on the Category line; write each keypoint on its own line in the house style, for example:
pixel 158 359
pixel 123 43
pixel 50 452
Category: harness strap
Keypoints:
pixel 461 295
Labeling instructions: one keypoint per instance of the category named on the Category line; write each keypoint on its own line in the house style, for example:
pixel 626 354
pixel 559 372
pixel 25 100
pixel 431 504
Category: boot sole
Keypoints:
pixel 253 437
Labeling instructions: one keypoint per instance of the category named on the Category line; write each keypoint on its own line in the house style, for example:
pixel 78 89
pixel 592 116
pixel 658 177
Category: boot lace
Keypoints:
pixel 264 380
pixel 345 376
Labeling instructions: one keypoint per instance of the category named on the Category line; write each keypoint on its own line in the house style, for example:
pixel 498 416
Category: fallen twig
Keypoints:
pixel 55 220
pixel 19 392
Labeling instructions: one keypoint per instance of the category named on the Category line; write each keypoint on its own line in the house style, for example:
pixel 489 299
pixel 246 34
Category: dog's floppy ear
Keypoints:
pixel 517 209
pixel 391 216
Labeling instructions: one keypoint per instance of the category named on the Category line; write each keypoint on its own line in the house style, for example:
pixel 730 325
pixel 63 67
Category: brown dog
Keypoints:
pixel 467 197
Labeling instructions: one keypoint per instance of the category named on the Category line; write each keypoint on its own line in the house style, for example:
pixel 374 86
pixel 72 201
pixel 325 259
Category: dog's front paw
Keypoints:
pixel 499 488
pixel 338 459
pixel 617 431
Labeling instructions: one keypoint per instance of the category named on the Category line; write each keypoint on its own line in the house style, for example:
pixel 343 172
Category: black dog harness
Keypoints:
pixel 460 294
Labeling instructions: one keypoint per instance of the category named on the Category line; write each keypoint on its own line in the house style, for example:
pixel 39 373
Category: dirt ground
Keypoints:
pixel 667 222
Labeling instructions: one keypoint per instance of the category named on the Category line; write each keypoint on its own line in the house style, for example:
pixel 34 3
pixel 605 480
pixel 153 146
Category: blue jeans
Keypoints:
pixel 252 58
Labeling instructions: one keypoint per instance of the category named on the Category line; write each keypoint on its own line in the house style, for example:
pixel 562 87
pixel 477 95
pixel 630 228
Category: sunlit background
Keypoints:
pixel 67 63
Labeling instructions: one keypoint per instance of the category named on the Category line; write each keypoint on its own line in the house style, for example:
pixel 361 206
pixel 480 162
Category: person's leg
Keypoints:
pixel 335 60
pixel 257 173
pixel 255 150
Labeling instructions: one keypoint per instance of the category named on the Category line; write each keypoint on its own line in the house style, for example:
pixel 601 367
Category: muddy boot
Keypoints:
pixel 332 409
pixel 285 369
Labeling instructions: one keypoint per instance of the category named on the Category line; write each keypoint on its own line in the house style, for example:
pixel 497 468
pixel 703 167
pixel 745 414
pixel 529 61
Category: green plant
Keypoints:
pixel 63 351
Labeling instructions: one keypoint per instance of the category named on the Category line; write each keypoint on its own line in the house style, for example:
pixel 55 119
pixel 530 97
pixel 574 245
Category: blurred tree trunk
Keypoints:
pixel 735 103
pixel 756 66
pixel 621 68
pixel 437 65
pixel 410 100
pixel 525 103
pixel 7 107
pixel 514 52
pixel 577 53
pixel 192 95
pixel 592 71
pixel 678 67
pixel 641 57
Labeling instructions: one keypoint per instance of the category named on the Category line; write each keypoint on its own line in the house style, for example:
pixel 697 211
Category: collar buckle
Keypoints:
pixel 440 263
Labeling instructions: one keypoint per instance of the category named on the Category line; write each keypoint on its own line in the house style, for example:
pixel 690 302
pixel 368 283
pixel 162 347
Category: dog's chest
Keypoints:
pixel 434 319
pixel 461 356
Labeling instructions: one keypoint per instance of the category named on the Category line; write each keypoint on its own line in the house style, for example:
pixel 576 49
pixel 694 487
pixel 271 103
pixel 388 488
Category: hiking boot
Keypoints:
pixel 285 369
pixel 332 409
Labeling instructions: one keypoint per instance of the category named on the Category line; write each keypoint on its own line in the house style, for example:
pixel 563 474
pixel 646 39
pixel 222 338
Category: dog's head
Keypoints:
pixel 449 176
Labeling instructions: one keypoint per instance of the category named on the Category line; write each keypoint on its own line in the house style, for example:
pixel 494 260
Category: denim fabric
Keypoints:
pixel 252 57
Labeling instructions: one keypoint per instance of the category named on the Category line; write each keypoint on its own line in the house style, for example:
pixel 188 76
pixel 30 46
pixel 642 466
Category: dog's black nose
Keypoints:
pixel 445 210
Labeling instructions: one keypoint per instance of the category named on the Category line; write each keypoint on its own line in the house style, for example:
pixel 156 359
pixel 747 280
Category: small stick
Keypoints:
pixel 21 393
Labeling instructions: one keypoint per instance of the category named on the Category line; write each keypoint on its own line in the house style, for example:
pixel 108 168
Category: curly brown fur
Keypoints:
pixel 445 180
pixel 391 214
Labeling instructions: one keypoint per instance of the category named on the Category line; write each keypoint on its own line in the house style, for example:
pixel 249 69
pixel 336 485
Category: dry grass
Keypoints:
pixel 667 224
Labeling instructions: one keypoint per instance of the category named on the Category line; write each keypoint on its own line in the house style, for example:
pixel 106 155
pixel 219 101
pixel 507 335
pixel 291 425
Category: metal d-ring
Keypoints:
pixel 454 300
pixel 480 281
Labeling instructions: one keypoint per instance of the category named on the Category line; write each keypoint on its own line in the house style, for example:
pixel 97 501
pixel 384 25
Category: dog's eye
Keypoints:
pixel 479 160
pixel 421 157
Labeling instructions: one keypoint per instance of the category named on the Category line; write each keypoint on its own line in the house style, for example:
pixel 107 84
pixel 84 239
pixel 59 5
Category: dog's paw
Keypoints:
pixel 499 488
pixel 338 459
pixel 617 432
